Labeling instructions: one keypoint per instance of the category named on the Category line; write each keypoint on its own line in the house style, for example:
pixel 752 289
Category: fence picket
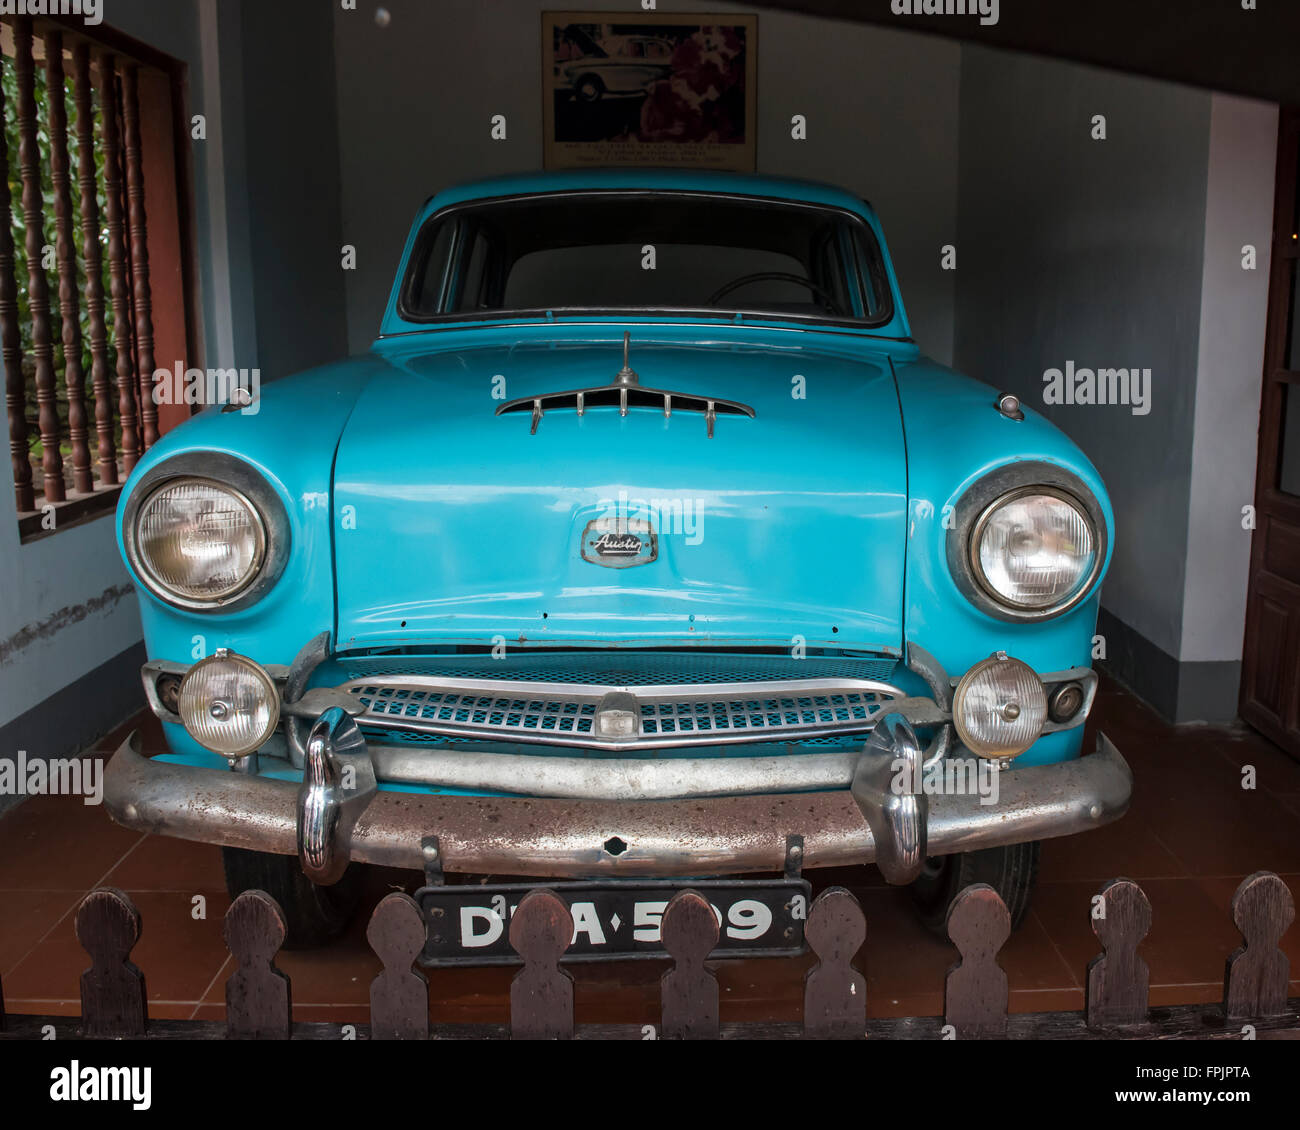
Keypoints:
pixel 688 992
pixel 112 989
pixel 975 990
pixel 258 1001
pixel 258 995
pixel 399 995
pixel 1255 977
pixel 835 993
pixel 1118 980
pixel 541 994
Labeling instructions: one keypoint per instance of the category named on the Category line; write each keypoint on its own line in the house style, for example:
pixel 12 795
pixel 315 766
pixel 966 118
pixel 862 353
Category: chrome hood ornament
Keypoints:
pixel 625 389
pixel 626 375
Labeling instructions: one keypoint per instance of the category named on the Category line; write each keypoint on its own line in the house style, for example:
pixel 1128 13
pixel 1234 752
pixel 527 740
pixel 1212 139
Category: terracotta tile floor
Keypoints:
pixel 1193 833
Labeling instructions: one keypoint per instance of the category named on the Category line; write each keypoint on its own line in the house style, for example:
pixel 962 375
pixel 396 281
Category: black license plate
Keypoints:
pixel 470 925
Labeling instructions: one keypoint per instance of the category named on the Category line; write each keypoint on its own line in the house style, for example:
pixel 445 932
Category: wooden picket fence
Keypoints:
pixel 258 995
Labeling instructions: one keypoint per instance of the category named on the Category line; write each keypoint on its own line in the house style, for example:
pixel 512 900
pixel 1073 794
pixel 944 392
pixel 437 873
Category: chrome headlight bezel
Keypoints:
pixel 230 474
pixel 226 596
pixel 995 490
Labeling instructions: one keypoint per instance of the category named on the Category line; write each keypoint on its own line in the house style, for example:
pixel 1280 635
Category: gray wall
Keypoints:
pixel 1083 250
pixel 291 151
pixel 881 108
pixel 268 209
pixel 1234 308
pixel 1126 252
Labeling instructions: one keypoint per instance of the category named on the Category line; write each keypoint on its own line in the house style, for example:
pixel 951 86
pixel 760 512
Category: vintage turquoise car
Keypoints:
pixel 643 548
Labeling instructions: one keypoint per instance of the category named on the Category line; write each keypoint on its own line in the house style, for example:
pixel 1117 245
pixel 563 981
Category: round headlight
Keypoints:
pixel 1035 550
pixel 999 707
pixel 228 704
pixel 199 542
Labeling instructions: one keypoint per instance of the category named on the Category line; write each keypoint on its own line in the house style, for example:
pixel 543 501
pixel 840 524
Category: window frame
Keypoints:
pixel 417 262
pixel 168 246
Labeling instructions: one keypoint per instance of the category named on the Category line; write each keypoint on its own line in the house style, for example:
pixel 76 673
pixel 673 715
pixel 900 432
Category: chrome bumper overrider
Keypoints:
pixel 337 814
pixel 658 717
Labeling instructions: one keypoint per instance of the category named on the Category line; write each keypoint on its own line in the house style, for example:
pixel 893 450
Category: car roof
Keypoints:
pixel 691 180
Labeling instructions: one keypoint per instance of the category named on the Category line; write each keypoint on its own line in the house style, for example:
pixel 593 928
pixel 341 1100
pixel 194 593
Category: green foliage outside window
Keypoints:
pixel 48 237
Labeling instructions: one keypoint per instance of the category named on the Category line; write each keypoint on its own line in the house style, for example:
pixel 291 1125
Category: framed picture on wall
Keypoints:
pixel 649 88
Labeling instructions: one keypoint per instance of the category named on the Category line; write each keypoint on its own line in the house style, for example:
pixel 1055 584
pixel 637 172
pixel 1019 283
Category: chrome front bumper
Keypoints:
pixel 338 815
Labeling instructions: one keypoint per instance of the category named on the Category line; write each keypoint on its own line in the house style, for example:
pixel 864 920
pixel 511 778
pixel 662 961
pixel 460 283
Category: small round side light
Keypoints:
pixel 999 707
pixel 229 704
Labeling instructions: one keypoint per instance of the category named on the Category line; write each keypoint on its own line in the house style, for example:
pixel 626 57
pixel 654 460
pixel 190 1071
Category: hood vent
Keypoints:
pixel 626 391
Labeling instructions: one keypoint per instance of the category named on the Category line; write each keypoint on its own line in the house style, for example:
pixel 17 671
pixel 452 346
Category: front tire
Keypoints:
pixel 1011 870
pixel 313 915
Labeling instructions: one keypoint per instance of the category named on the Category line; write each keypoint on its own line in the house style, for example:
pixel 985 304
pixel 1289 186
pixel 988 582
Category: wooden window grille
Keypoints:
pixel 88 157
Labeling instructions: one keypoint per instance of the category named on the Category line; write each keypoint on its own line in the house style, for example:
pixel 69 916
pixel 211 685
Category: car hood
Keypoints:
pixel 454 524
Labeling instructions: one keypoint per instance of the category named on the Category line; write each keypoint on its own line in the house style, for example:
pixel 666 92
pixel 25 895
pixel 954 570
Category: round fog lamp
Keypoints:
pixel 228 704
pixel 999 707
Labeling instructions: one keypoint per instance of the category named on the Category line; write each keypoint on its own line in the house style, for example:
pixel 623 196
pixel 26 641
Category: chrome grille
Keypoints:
pixel 665 716
pixel 488 712
pixel 734 715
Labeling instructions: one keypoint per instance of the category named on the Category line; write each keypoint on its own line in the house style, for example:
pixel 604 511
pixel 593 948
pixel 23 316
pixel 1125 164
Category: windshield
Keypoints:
pixel 610 251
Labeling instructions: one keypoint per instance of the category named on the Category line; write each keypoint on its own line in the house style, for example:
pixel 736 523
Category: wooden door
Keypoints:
pixel 1270 685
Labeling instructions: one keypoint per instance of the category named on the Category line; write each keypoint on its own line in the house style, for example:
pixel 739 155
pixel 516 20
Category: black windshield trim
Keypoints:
pixel 421 246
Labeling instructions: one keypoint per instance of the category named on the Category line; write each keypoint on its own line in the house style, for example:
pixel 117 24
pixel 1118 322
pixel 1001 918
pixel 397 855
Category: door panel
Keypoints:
pixel 1274 639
